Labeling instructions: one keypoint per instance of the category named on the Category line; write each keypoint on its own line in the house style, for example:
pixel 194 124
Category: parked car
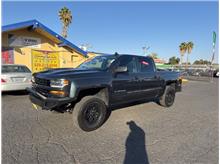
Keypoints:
pixel 216 73
pixel 15 77
pixel 90 90
pixel 206 73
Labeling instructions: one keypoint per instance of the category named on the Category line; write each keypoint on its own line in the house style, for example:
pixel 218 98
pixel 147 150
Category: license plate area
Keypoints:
pixel 18 79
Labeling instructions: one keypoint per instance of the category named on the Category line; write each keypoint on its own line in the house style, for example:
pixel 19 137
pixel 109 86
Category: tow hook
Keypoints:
pixel 36 107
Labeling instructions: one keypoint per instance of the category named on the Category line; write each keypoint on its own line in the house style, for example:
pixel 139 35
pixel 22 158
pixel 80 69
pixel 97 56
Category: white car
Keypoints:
pixel 15 77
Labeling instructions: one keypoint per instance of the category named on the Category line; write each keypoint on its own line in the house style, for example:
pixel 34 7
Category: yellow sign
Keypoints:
pixel 43 60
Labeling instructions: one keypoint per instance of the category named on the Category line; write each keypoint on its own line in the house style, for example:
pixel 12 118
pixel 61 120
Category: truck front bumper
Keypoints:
pixel 179 86
pixel 47 103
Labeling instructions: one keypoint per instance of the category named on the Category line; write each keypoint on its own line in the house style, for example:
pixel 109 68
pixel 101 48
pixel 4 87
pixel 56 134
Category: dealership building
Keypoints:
pixel 33 44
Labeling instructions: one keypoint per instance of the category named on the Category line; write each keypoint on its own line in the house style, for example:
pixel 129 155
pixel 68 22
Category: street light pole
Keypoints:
pixel 145 48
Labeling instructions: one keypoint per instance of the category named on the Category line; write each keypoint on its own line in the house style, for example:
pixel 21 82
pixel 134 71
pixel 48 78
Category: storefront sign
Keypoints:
pixel 23 41
pixel 43 60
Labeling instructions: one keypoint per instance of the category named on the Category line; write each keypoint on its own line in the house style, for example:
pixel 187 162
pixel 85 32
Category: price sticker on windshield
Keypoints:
pixel 145 63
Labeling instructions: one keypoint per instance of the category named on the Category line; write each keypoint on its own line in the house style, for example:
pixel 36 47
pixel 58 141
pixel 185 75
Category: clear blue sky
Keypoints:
pixel 126 27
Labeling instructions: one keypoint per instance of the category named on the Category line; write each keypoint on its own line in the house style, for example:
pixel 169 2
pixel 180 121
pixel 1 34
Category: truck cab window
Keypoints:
pixel 130 62
pixel 145 65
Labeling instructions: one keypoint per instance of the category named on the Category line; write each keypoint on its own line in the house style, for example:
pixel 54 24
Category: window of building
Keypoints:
pixel 72 58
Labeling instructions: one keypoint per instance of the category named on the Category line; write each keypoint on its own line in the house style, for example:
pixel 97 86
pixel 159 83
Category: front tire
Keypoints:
pixel 89 113
pixel 168 97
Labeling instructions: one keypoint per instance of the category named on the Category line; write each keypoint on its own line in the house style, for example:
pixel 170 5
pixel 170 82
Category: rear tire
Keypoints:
pixel 89 113
pixel 168 97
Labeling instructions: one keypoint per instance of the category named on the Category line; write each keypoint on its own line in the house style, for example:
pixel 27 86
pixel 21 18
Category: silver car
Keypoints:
pixel 15 77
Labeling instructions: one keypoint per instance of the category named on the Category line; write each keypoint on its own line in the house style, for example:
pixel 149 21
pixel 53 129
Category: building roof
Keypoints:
pixel 100 53
pixel 36 25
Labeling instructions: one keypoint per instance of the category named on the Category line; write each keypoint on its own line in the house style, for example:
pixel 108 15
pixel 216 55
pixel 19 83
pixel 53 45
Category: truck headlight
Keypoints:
pixel 58 83
pixel 33 79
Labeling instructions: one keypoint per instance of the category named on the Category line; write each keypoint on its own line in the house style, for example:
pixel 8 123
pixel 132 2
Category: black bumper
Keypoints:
pixel 47 102
pixel 179 86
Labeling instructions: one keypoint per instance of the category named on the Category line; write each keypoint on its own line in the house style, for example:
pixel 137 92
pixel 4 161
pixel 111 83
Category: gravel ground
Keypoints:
pixel 185 133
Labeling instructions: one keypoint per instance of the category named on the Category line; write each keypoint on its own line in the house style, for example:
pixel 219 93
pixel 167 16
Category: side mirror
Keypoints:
pixel 121 69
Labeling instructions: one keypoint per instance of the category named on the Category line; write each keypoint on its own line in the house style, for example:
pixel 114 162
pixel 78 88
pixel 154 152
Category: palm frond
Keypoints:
pixel 65 16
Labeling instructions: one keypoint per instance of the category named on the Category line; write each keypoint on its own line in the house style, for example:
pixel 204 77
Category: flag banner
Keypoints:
pixel 213 50
pixel 214 37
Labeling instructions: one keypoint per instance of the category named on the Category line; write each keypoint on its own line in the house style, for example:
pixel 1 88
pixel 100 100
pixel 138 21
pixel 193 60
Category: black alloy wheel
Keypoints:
pixel 89 113
pixel 169 97
pixel 92 113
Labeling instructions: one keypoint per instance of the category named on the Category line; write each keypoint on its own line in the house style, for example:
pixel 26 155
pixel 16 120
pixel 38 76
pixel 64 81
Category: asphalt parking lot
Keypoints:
pixel 143 133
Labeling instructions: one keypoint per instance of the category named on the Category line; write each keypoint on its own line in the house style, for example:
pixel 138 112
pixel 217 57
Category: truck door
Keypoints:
pixel 150 82
pixel 125 85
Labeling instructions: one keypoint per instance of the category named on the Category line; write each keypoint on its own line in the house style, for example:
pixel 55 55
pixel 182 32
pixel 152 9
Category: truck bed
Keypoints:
pixel 168 75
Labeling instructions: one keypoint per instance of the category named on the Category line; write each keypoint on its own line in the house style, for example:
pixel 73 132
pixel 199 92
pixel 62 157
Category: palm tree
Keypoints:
pixel 154 55
pixel 189 47
pixel 66 18
pixel 182 48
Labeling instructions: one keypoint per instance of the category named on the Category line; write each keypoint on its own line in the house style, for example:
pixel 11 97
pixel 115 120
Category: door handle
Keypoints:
pixel 136 78
pixel 156 77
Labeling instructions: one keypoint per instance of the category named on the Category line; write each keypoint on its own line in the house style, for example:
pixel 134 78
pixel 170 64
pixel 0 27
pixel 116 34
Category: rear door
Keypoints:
pixel 150 81
pixel 125 86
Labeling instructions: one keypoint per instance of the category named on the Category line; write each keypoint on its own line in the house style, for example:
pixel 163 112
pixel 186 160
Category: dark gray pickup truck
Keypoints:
pixel 90 90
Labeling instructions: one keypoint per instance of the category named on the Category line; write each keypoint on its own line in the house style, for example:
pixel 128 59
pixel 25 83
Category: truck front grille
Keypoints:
pixel 42 91
pixel 40 81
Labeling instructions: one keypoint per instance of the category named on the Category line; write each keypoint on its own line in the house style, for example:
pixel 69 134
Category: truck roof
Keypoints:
pixel 108 54
pixel 117 54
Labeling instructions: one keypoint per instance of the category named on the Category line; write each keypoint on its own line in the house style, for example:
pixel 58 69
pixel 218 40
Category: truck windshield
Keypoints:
pixel 98 62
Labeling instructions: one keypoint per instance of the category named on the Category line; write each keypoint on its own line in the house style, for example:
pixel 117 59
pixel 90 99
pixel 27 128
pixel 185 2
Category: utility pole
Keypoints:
pixel 213 53
pixel 145 48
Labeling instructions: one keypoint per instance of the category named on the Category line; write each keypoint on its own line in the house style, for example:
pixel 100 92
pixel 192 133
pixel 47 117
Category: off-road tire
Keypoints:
pixel 82 113
pixel 167 99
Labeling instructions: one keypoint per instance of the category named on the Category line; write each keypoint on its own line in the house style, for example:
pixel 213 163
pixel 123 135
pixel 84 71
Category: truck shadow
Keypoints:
pixel 135 145
pixel 15 93
pixel 124 105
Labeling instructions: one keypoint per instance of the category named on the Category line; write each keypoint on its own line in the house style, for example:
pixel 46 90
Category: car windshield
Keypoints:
pixel 98 62
pixel 15 69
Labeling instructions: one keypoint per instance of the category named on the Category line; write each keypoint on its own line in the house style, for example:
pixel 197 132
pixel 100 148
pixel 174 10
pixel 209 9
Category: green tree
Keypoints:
pixel 173 60
pixel 154 55
pixel 185 63
pixel 182 48
pixel 196 62
pixel 201 61
pixel 65 16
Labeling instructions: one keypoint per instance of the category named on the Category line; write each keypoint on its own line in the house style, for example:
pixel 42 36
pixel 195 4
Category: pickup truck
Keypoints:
pixel 90 90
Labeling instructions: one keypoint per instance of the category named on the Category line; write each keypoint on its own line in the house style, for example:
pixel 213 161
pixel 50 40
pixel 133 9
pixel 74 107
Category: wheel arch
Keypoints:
pixel 101 92
pixel 171 82
pixel 177 84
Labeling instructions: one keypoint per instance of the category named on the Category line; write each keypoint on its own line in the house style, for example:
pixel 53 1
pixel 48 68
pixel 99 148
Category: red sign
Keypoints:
pixel 145 63
pixel 7 56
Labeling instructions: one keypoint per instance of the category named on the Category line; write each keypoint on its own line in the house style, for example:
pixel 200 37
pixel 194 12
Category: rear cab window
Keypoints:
pixel 15 69
pixel 145 65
